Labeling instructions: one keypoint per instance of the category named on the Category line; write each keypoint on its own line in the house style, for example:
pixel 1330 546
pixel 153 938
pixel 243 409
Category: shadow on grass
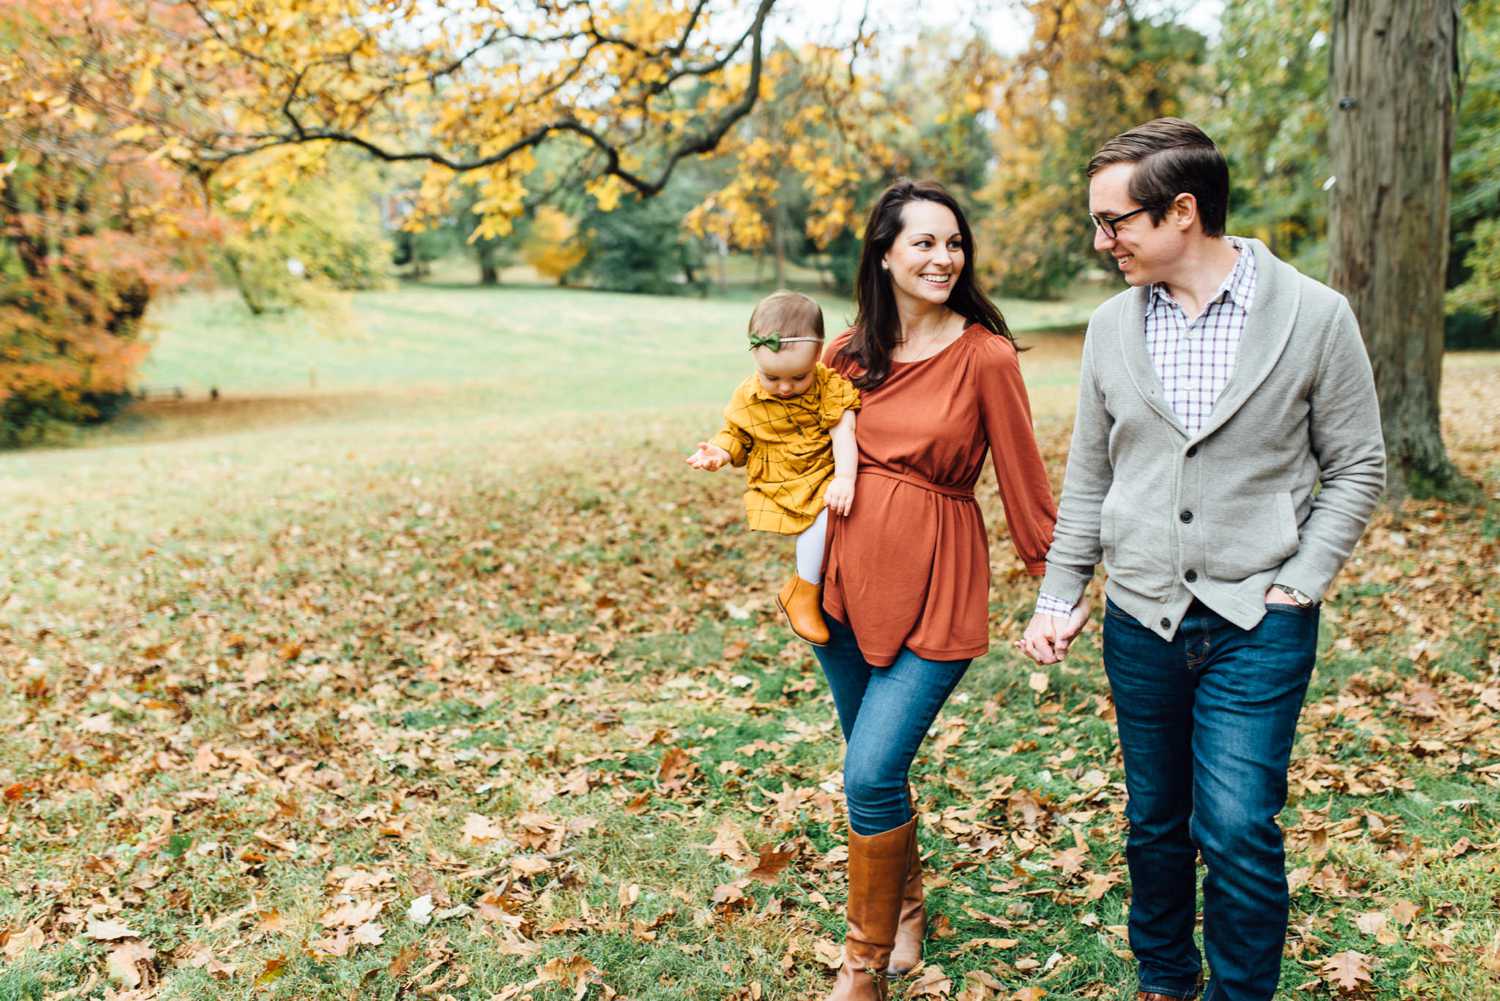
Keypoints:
pixel 444 285
pixel 165 420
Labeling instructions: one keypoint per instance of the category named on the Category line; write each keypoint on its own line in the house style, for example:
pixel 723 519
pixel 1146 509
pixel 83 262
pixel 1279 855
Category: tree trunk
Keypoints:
pixel 1394 69
pixel 778 237
pixel 489 269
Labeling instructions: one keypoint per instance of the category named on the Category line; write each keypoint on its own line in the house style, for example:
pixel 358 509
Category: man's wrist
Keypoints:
pixel 1048 604
pixel 1300 598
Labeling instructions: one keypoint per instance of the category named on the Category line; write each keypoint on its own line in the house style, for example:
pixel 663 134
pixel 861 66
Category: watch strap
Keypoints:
pixel 1303 600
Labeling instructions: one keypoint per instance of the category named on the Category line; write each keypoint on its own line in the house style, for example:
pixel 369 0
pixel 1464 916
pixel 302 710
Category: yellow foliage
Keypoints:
pixel 1078 83
pixel 606 192
pixel 145 80
pixel 261 191
pixel 554 247
pixel 460 85
pixel 820 128
pixel 502 195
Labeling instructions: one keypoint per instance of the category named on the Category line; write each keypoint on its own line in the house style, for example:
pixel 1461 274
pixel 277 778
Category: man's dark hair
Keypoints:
pixel 1172 157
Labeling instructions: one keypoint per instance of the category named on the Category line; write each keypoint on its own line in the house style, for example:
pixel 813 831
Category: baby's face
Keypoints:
pixel 788 372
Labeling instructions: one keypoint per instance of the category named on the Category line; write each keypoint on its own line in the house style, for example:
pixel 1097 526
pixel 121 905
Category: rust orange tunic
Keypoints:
pixel 910 566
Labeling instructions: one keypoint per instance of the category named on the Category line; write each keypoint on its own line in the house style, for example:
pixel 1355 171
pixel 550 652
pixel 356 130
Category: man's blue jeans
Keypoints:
pixel 884 713
pixel 1206 726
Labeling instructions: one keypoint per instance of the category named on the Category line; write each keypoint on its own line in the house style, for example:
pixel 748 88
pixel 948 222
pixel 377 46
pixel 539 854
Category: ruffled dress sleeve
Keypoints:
pixel 733 437
pixel 839 396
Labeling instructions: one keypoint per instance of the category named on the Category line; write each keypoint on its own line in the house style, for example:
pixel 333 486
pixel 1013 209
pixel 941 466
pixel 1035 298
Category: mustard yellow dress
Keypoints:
pixel 786 448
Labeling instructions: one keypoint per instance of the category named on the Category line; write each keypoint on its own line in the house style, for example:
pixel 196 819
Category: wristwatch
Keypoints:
pixel 1302 600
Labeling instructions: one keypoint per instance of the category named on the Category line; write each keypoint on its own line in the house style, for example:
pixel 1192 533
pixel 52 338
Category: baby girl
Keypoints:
pixel 791 424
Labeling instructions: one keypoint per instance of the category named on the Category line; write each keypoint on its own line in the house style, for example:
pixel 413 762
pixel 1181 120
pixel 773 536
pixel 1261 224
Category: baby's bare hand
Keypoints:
pixel 840 496
pixel 709 458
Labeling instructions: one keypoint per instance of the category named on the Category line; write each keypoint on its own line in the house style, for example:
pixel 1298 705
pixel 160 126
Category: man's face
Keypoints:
pixel 1144 251
pixel 788 372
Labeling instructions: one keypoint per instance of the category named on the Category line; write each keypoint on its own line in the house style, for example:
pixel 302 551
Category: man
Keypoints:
pixel 1226 457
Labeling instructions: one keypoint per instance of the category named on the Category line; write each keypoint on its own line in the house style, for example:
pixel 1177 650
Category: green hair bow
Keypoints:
pixel 774 340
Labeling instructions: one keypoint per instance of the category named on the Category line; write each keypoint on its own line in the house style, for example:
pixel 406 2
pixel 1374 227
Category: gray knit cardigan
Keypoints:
pixel 1276 487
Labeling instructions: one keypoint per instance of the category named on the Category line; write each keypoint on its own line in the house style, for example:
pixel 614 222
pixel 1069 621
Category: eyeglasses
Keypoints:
pixel 1108 223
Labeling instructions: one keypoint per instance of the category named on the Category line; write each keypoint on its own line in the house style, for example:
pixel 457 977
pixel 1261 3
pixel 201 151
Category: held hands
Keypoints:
pixel 709 458
pixel 1048 637
pixel 840 495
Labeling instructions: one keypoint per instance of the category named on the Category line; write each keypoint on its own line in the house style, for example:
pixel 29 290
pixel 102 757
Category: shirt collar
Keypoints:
pixel 1238 286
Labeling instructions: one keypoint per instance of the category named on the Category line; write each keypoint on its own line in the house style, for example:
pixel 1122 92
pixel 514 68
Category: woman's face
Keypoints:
pixel 927 256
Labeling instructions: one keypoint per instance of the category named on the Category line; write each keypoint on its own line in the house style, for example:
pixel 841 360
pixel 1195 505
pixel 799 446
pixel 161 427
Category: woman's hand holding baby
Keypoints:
pixel 709 458
pixel 840 495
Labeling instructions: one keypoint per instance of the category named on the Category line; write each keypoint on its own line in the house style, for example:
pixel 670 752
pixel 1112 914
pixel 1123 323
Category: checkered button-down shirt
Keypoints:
pixel 1193 358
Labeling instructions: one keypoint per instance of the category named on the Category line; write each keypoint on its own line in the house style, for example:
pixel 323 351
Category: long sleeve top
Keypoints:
pixel 909 566
pixel 1275 486
pixel 1194 359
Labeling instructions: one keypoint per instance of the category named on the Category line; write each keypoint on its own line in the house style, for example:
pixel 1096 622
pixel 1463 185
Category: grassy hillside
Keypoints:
pixel 542 342
pixel 450 680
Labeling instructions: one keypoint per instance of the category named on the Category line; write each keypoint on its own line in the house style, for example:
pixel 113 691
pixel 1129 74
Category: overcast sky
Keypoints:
pixel 1008 30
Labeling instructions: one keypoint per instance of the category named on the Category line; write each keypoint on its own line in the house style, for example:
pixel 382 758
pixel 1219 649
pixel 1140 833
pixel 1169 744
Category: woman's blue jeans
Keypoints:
pixel 884 713
pixel 1206 725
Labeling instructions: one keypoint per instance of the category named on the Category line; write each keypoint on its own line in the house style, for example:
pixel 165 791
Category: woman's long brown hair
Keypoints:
pixel 877 324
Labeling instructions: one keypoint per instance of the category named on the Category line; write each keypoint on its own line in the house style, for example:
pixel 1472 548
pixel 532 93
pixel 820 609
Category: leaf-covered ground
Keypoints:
pixel 499 709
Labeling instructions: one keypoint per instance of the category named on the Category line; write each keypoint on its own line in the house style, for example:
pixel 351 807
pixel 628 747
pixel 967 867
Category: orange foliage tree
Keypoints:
pixel 90 227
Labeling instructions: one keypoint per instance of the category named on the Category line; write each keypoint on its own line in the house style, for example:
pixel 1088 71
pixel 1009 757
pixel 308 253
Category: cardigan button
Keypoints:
pixel 1190 576
pixel 1186 517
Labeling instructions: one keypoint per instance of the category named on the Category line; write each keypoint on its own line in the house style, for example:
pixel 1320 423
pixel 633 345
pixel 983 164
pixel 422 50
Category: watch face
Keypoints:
pixel 1302 600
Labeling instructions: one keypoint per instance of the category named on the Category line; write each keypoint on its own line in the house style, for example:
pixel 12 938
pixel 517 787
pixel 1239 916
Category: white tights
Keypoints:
pixel 810 549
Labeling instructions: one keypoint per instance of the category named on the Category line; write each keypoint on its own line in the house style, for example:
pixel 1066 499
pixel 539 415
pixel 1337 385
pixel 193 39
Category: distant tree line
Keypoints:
pixel 310 152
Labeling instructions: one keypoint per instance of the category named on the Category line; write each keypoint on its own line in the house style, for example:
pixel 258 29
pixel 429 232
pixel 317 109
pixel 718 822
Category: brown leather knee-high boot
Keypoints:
pixel 912 926
pixel 877 879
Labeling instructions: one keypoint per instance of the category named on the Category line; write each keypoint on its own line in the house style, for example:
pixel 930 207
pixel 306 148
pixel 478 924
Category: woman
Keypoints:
pixel 906 590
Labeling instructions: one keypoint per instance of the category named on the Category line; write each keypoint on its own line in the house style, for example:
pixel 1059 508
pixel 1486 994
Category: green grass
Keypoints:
pixel 533 348
pixel 258 663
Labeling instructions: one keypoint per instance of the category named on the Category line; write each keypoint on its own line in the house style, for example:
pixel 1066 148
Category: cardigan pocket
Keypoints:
pixel 1135 550
pixel 1249 535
